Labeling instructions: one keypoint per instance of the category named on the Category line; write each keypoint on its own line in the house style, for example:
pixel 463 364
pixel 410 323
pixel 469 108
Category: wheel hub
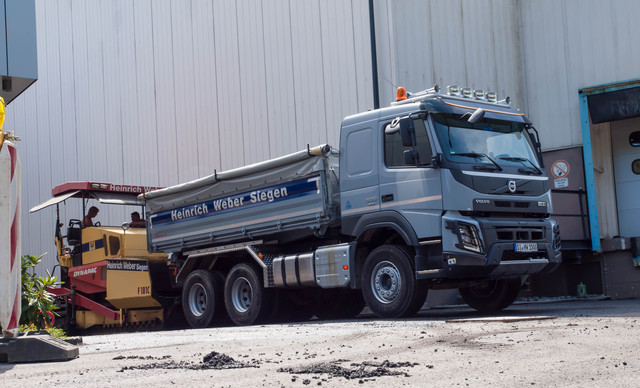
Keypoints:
pixel 197 300
pixel 386 282
pixel 241 294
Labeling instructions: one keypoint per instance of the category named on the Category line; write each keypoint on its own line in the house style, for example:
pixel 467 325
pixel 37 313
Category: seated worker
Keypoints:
pixel 88 219
pixel 136 222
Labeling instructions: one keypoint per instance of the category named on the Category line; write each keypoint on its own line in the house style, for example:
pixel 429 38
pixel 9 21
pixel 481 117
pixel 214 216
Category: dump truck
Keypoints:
pixel 440 190
pixel 108 277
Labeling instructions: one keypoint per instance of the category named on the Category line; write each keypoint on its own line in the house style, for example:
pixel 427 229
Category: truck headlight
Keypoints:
pixel 469 237
pixel 556 238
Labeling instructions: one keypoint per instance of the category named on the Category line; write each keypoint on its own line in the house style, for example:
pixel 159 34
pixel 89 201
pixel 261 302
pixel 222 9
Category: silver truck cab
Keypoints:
pixel 458 176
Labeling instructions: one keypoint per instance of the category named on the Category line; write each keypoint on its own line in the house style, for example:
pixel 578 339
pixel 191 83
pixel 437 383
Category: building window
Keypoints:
pixel 635 166
pixel 634 139
pixel 394 150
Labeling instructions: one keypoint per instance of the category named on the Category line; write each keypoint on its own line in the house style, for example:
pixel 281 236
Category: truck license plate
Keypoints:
pixel 525 247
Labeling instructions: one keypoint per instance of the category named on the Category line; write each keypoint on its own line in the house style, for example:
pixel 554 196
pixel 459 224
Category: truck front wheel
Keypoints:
pixel 245 297
pixel 202 298
pixel 493 295
pixel 389 286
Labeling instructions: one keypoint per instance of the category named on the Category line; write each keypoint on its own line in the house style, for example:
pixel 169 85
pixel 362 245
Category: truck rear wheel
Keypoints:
pixel 202 300
pixel 493 295
pixel 389 286
pixel 245 297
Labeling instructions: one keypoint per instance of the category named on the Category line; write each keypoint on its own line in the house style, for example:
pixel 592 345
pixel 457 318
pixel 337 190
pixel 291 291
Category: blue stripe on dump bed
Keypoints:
pixel 246 200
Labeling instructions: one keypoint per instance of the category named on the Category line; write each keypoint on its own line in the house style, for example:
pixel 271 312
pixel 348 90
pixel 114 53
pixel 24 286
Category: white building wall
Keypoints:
pixel 161 92
pixel 539 52
pixel 165 91
pixel 454 42
pixel 569 45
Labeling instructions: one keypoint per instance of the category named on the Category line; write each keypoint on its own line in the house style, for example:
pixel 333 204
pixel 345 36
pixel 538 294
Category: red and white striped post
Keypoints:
pixel 10 248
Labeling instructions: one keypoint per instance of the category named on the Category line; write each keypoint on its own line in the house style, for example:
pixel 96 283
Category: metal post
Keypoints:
pixel 588 174
pixel 374 57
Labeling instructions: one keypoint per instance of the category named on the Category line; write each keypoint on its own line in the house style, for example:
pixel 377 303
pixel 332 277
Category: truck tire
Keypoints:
pixel 513 290
pixel 246 299
pixel 418 300
pixel 339 304
pixel 202 298
pixel 492 295
pixel 389 286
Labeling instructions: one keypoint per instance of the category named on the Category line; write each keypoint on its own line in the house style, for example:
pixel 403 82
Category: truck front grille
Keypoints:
pixel 520 234
pixel 515 204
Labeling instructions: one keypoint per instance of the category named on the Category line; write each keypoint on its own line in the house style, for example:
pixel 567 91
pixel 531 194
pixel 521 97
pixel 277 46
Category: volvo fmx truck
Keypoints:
pixel 441 190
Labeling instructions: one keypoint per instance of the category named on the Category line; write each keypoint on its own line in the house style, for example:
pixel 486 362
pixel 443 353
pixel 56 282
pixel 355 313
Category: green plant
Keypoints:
pixel 37 302
pixel 52 331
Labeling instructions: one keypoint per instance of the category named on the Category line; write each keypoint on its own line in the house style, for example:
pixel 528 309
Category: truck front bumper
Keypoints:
pixel 463 266
pixel 498 256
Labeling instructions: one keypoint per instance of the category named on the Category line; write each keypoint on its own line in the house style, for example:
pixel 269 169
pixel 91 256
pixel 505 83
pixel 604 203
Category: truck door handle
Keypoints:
pixel 387 198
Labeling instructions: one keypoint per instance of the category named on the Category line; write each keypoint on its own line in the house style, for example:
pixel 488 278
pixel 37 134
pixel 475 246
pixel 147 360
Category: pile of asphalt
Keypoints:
pixel 361 371
pixel 365 371
pixel 213 360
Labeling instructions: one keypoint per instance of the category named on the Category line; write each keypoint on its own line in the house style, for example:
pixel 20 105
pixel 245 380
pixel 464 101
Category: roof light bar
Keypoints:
pixel 405 97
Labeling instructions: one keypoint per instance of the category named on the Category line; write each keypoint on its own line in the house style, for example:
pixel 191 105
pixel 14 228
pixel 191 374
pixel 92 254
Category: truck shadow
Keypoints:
pixel 596 308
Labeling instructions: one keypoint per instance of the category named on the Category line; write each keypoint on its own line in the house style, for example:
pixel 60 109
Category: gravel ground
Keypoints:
pixel 568 343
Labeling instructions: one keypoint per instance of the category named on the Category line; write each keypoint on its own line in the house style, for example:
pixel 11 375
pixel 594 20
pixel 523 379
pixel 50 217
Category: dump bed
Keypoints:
pixel 283 199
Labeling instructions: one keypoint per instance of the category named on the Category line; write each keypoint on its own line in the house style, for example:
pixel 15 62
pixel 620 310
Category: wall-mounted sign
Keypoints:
pixel 560 169
pixel 560 183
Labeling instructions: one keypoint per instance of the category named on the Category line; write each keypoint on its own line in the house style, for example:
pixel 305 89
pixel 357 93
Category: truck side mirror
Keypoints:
pixel 477 115
pixel 411 157
pixel 407 131
pixel 535 139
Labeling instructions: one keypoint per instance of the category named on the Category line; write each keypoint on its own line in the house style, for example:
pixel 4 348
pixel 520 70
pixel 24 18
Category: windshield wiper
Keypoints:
pixel 522 160
pixel 479 155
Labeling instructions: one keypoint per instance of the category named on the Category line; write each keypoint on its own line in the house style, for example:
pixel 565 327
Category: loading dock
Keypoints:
pixel 598 205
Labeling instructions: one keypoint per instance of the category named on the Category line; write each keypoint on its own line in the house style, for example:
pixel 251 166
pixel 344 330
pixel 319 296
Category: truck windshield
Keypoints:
pixel 495 143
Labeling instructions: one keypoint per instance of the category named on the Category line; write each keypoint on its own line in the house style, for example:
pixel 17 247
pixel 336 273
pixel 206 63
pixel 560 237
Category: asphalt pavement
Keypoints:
pixel 590 342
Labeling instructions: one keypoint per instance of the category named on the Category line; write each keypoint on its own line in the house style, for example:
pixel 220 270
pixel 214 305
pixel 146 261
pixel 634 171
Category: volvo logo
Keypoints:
pixel 512 186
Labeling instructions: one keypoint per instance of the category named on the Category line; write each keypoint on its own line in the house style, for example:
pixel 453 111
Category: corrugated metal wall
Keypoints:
pixel 569 45
pixel 161 92
pixel 469 43
pixel 539 52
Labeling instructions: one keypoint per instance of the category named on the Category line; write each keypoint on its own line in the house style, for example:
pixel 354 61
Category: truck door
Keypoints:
pixel 412 190
pixel 359 189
